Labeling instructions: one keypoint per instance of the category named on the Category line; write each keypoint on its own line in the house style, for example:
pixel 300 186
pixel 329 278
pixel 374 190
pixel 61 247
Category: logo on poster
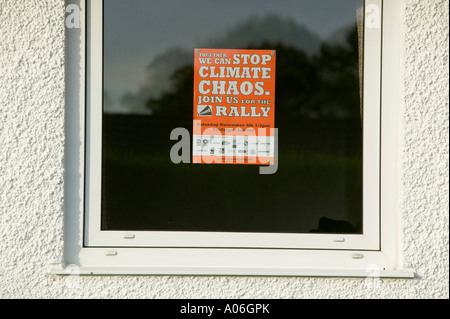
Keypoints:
pixel 204 110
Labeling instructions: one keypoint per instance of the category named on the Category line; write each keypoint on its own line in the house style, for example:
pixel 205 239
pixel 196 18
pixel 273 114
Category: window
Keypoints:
pixel 327 208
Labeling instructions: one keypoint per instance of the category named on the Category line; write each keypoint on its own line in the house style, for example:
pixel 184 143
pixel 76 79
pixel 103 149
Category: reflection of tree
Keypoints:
pixel 252 32
pixel 323 85
pixel 178 101
pixel 270 28
pixel 339 76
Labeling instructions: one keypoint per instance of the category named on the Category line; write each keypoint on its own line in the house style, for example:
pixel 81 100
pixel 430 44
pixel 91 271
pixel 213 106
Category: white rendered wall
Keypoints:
pixel 32 172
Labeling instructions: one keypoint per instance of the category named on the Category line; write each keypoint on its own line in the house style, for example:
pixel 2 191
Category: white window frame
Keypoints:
pixel 206 253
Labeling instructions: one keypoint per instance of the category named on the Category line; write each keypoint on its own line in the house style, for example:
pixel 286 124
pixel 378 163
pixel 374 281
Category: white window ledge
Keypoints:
pixel 284 272
pixel 235 262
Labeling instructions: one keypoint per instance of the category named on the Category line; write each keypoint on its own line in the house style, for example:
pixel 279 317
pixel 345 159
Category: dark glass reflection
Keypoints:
pixel 148 91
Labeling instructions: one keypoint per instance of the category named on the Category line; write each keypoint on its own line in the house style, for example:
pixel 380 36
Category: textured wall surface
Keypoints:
pixel 425 149
pixel 32 139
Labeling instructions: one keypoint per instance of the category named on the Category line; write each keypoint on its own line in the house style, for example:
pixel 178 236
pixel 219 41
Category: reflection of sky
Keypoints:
pixel 137 30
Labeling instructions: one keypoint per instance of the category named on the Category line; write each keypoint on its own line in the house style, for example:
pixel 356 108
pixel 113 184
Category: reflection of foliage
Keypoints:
pixel 270 28
pixel 338 67
pixel 177 101
pixel 250 33
pixel 324 85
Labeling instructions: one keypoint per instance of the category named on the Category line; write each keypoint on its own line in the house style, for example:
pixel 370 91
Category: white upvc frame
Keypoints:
pixel 369 240
pixel 117 252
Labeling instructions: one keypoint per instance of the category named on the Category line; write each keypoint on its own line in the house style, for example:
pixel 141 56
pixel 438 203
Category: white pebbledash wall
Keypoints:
pixel 32 174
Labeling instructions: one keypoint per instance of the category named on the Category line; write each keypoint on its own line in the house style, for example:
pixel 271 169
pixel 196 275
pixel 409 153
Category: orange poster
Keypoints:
pixel 234 106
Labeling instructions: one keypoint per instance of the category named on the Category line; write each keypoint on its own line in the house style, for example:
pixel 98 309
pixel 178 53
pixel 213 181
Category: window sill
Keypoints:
pixel 210 271
pixel 232 262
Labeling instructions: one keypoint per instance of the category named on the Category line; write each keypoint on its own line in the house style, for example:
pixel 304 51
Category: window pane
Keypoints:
pixel 148 92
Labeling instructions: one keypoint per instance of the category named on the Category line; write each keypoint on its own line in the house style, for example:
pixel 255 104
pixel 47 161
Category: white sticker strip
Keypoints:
pixel 242 146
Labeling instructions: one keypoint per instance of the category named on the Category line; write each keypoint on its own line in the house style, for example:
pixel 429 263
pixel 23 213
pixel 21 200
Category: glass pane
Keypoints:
pixel 148 92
